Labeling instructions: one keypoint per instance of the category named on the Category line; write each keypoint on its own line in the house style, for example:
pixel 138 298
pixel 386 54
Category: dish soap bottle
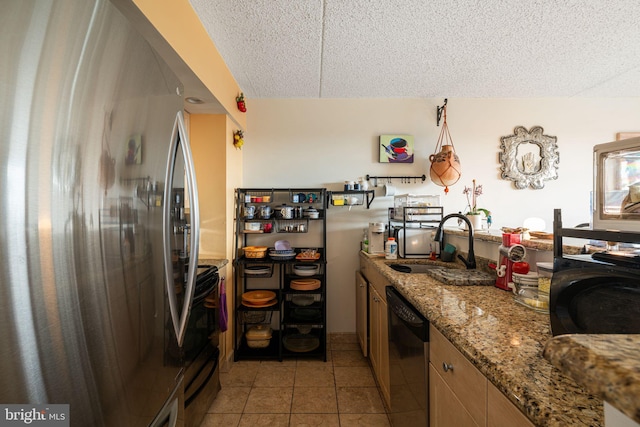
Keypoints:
pixel 391 249
pixel 365 241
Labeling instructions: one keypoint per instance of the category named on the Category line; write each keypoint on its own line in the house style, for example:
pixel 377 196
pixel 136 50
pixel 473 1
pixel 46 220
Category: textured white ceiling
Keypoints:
pixel 428 48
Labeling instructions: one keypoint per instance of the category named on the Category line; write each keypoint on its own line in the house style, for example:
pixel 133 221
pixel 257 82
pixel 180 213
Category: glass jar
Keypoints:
pixel 545 273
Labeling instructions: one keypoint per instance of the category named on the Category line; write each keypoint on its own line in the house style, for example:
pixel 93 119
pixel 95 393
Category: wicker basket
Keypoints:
pixel 248 317
pixel 255 251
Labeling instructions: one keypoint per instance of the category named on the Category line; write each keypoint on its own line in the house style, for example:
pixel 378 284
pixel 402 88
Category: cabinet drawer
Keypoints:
pixel 464 379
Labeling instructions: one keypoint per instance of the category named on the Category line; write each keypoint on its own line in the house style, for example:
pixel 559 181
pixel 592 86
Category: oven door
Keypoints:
pixel 595 300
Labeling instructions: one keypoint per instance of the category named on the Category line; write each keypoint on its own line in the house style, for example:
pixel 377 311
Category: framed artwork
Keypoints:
pixel 134 150
pixel 626 135
pixel 396 149
pixel 529 158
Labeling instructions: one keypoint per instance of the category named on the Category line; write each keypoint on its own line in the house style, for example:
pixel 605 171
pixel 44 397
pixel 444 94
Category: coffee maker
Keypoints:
pixel 376 237
pixel 511 251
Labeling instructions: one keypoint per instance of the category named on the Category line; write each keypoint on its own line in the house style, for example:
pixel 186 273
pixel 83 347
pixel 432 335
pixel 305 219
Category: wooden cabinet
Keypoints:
pixel 379 341
pixel 460 395
pixel 378 349
pixel 362 314
pixel 445 409
pixel 501 412
pixel 460 378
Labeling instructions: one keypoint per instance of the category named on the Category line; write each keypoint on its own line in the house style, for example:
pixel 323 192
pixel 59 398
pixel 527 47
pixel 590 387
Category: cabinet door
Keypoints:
pixel 464 379
pixel 501 412
pixel 384 379
pixel 374 330
pixel 445 409
pixel 379 341
pixel 362 314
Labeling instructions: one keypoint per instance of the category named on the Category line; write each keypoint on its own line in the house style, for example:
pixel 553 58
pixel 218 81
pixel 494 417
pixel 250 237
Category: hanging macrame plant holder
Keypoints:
pixel 445 163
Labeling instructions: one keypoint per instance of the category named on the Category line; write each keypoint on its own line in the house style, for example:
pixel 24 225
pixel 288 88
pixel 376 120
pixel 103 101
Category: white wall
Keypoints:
pixel 314 143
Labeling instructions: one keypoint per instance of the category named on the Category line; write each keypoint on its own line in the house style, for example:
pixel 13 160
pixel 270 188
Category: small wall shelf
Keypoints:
pixel 364 197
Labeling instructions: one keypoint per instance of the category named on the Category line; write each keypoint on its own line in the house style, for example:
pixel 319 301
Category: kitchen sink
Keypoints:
pixel 413 268
pixel 450 276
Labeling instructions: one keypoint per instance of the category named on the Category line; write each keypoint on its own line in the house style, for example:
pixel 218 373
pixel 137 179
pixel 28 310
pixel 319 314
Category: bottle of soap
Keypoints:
pixel 391 248
pixel 365 241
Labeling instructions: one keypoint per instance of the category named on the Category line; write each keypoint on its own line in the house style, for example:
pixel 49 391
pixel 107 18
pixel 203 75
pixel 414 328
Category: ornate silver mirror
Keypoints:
pixel 529 158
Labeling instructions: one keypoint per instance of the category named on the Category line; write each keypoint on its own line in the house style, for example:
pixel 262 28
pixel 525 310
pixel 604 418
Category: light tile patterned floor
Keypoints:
pixel 340 392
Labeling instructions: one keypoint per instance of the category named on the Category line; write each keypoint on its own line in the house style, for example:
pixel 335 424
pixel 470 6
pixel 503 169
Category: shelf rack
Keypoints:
pixel 367 197
pixel 429 218
pixel 282 315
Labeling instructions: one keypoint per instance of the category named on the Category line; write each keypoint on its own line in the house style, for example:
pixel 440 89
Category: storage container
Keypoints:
pixel 545 273
pixel 409 204
pixel 391 249
pixel 258 336
pixel 255 251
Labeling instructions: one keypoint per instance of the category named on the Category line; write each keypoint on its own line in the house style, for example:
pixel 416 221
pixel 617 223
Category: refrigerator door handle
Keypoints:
pixel 180 141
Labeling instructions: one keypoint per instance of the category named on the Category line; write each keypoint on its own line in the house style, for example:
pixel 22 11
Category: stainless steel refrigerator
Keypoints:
pixel 97 257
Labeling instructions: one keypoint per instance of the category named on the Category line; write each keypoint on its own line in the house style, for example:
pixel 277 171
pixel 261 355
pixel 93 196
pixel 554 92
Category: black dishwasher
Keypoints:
pixel 408 361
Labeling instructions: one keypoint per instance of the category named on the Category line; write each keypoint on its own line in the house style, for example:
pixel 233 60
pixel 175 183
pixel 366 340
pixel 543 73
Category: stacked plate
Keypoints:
pixel 305 269
pixel 301 343
pixel 282 251
pixel 257 270
pixel 259 299
pixel 305 284
pixel 529 279
pixel 281 255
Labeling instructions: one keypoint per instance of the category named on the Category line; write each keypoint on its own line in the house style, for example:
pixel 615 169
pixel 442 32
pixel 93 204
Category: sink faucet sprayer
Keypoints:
pixel 470 262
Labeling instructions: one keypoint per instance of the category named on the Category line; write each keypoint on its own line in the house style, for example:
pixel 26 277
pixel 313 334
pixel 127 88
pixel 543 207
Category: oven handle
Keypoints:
pixel 205 382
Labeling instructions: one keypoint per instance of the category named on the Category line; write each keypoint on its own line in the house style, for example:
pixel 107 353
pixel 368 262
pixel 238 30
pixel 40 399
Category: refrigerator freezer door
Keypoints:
pixel 86 119
pixel 181 228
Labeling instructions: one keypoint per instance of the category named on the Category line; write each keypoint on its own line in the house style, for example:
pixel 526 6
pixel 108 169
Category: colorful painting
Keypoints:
pixel 396 149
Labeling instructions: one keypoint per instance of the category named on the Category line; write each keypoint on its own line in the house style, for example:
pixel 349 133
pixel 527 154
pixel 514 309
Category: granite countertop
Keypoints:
pixel 505 341
pixel 213 261
pixel 573 247
pixel 606 365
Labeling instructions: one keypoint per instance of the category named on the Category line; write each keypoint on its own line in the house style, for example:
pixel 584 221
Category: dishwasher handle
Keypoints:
pixel 407 314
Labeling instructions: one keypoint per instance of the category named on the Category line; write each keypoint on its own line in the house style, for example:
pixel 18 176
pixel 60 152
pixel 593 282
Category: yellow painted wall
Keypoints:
pixel 233 172
pixel 218 167
pixel 207 133
pixel 178 23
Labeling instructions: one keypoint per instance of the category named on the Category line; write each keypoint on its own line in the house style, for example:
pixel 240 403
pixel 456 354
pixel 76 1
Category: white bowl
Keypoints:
pixel 304 273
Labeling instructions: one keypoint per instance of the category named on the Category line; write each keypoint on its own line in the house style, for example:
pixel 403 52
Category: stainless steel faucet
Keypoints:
pixel 470 262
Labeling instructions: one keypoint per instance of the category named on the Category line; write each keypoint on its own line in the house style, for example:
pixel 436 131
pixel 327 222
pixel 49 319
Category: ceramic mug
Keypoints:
pixel 389 190
pixel 264 212
pixel 249 211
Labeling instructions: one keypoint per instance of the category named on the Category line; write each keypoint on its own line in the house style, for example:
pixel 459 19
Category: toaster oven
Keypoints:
pixel 416 242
